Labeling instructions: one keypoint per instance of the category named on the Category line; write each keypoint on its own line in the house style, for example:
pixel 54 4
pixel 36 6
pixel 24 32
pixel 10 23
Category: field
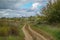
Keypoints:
pixel 10 29
pixel 53 30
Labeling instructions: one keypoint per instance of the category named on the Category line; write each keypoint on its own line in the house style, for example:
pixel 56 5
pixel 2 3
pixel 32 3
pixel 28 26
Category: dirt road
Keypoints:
pixel 27 35
pixel 31 34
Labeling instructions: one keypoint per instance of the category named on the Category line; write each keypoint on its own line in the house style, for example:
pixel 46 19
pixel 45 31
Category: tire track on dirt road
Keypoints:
pixel 27 35
pixel 31 34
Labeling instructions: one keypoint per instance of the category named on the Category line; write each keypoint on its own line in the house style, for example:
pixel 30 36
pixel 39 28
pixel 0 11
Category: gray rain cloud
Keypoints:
pixel 10 4
pixel 8 8
pixel 7 4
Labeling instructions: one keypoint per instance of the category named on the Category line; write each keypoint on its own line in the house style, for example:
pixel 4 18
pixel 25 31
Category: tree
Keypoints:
pixel 52 12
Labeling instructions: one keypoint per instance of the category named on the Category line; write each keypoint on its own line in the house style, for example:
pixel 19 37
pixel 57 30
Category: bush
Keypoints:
pixel 4 31
pixel 8 28
pixel 14 31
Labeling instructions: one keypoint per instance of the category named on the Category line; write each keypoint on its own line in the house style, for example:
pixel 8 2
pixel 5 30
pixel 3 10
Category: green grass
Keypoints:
pixel 20 37
pixel 51 30
pixel 21 33
pixel 6 27
pixel 11 37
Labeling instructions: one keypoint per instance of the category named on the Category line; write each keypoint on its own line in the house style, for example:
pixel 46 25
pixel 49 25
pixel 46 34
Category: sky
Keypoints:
pixel 19 8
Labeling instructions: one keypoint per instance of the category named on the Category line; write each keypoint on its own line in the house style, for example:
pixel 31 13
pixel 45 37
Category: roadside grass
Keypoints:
pixel 21 33
pixel 11 30
pixel 51 30
pixel 12 37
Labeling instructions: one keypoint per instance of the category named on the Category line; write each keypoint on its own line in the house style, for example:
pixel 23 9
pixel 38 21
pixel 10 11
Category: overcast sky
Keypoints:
pixel 18 8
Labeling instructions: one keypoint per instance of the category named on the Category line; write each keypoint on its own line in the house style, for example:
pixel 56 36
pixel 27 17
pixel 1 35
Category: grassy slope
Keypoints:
pixel 54 31
pixel 20 37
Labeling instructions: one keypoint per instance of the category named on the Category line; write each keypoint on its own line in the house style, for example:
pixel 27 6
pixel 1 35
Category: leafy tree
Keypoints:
pixel 52 12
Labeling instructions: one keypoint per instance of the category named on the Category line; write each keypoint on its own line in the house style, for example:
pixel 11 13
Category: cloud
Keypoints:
pixel 11 8
pixel 5 14
pixel 13 4
pixel 15 13
pixel 35 5
pixel 9 4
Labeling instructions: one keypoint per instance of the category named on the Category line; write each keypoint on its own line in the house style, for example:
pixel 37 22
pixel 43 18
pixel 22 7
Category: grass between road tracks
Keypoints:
pixel 51 30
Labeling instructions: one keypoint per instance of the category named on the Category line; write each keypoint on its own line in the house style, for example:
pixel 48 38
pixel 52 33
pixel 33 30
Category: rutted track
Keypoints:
pixel 27 35
pixel 31 34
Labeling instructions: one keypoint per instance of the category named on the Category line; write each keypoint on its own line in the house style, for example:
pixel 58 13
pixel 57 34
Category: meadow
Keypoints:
pixel 11 29
pixel 52 30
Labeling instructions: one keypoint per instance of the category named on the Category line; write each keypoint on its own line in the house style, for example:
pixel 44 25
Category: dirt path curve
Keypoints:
pixel 37 35
pixel 27 35
pixel 34 36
